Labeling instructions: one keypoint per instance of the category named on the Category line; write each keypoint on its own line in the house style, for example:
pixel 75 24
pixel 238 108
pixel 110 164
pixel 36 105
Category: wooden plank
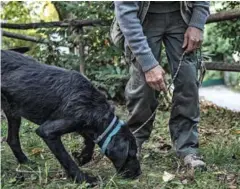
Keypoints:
pixel 222 66
pixel 223 16
pixel 64 24
pixel 217 17
pixel 24 37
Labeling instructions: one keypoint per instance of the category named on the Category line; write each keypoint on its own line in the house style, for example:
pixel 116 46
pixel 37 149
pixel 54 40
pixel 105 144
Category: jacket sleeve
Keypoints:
pixel 126 14
pixel 200 14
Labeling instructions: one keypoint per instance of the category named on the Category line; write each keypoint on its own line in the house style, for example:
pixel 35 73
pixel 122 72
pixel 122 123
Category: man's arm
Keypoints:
pixel 200 14
pixel 194 35
pixel 126 13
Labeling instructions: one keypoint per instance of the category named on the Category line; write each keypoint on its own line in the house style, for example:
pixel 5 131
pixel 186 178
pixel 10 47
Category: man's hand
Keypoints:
pixel 155 78
pixel 193 38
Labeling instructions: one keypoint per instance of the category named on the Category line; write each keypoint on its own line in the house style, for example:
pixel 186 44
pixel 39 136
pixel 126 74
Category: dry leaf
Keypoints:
pixel 167 176
pixel 37 151
pixel 185 181
pixel 237 132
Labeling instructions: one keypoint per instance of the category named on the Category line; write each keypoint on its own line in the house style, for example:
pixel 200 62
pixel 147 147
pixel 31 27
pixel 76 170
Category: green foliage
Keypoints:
pixel 230 29
pixel 110 78
pixel 102 58
pixel 233 79
pixel 15 12
pixel 221 40
pixel 214 45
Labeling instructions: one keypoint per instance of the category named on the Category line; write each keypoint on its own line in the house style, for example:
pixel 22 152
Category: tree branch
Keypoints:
pixel 23 37
pixel 223 16
pixel 64 24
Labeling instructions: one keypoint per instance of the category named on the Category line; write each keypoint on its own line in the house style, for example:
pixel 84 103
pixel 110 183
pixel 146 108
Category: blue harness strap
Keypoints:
pixel 109 137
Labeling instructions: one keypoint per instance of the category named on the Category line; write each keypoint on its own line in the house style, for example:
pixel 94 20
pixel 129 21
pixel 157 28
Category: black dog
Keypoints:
pixel 63 101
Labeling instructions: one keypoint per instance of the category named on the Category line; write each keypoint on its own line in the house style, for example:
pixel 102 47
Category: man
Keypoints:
pixel 179 25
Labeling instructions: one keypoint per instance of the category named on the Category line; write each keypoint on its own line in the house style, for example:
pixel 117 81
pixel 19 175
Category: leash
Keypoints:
pixel 202 68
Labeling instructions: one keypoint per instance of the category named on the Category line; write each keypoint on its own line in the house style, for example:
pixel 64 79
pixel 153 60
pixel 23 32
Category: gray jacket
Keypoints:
pixel 131 14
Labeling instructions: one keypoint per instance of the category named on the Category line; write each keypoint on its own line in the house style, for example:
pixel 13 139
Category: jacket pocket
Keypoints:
pixel 116 35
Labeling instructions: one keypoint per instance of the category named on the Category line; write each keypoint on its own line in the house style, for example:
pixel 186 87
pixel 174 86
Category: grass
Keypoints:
pixel 219 140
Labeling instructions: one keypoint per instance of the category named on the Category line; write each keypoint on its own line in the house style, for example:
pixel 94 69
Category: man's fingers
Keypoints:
pixel 152 84
pixel 158 85
pixel 161 84
pixel 185 42
pixel 199 44
pixel 190 45
pixel 155 78
pixel 195 46
pixel 163 87
pixel 155 86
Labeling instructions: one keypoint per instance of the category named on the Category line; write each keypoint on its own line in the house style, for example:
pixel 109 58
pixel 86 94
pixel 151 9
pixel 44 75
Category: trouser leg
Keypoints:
pixel 141 103
pixel 140 97
pixel 185 103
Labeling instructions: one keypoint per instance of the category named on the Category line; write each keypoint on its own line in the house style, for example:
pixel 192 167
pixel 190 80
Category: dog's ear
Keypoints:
pixel 117 151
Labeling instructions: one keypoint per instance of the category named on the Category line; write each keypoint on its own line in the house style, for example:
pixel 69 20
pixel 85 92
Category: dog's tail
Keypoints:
pixel 20 49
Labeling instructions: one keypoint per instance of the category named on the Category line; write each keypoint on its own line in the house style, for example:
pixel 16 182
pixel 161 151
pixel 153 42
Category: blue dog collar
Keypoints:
pixel 106 131
pixel 109 137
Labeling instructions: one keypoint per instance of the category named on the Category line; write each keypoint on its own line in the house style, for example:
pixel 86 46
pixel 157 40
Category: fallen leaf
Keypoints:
pixel 167 176
pixel 185 181
pixel 232 187
pixel 146 156
pixel 37 151
pixel 237 132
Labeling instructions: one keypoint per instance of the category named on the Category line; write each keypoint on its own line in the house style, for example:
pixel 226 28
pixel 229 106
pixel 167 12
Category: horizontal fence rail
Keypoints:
pixel 222 66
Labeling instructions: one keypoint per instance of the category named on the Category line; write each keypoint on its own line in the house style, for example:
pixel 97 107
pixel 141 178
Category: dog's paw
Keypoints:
pixel 20 177
pixel 89 180
pixel 92 181
pixel 81 159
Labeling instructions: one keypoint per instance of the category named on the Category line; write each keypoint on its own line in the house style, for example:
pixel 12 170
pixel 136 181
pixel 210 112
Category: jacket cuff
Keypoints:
pixel 147 61
pixel 198 20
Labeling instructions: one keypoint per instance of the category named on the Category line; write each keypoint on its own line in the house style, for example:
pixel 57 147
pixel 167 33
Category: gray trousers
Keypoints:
pixel 168 28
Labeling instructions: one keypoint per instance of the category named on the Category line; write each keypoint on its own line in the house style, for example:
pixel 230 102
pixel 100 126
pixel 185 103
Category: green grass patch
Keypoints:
pixel 219 139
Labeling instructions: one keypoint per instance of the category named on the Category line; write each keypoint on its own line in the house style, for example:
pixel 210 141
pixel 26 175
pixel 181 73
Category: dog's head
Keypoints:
pixel 122 151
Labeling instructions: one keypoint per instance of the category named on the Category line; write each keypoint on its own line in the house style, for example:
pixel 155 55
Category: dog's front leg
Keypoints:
pixel 51 133
pixel 87 152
